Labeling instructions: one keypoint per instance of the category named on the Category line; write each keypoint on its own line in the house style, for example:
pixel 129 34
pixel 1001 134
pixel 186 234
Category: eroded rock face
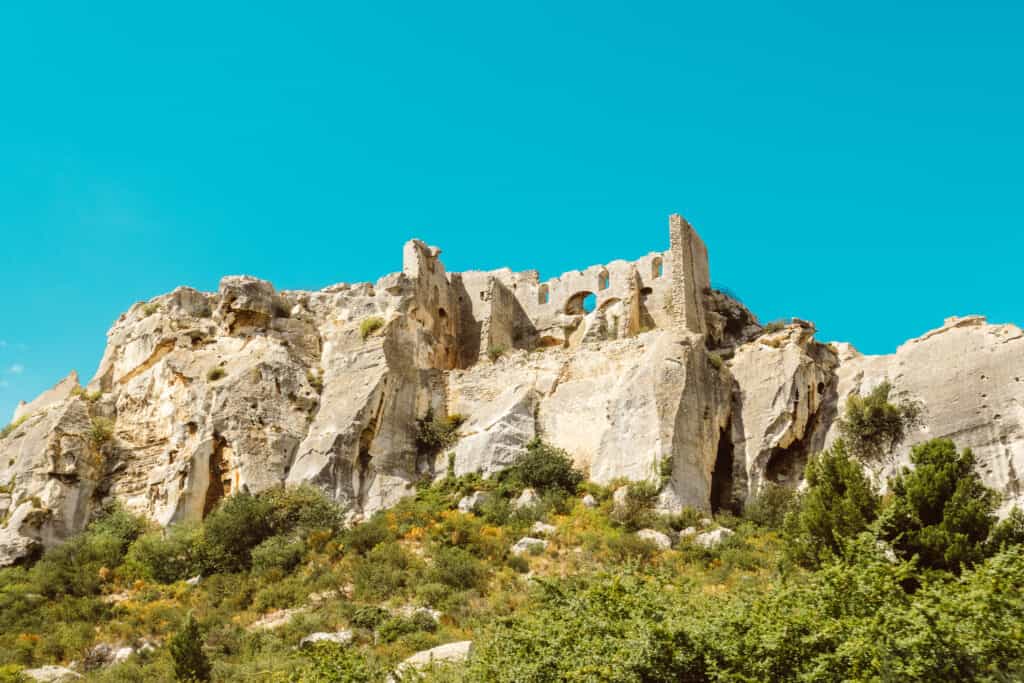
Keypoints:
pixel 663 380
pixel 969 375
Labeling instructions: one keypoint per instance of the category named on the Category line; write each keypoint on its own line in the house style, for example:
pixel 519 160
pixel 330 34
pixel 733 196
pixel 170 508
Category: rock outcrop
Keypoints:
pixel 638 369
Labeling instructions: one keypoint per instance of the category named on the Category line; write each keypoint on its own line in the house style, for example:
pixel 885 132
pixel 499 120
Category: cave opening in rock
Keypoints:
pixel 215 489
pixel 363 465
pixel 786 465
pixel 722 497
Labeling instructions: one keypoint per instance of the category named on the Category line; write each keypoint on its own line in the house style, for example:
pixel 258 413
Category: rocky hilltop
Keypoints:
pixel 638 369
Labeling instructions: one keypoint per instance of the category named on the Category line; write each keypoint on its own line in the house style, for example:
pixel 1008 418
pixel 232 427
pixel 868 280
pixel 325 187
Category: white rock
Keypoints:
pixel 619 497
pixel 122 653
pixel 589 501
pixel 542 529
pixel 194 581
pixel 51 674
pixel 473 501
pixel 711 539
pixel 688 531
pixel 528 544
pixel 528 498
pixel 656 537
pixel 442 654
pixel 339 637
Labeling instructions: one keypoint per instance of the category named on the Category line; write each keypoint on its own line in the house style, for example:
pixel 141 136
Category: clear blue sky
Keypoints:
pixel 856 165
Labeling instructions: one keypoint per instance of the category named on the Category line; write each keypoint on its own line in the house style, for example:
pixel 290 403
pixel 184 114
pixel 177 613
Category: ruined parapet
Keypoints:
pixel 435 306
pixel 690 275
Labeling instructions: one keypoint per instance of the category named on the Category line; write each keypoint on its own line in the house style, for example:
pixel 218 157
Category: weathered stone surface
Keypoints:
pixel 527 499
pixel 543 529
pixel 51 674
pixel 473 501
pixel 589 501
pixel 528 544
pixel 249 388
pixel 656 537
pixel 442 654
pixel 713 538
pixel 970 377
pixel 339 637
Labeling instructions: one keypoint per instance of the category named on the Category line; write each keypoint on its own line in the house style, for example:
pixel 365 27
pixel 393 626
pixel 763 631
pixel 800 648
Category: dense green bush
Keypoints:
pixel 771 505
pixel 278 552
pixel 458 568
pixel 941 512
pixel 543 467
pixel 166 556
pixel 622 628
pixel 236 526
pixel 838 503
pixel 636 511
pixel 301 510
pixel 872 427
pixel 434 434
pixel 385 571
pixel 1008 532
pixel 362 538
pixel 77 567
pixel 190 662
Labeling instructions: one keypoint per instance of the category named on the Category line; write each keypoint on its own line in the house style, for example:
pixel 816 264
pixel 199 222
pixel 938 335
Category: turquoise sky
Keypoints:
pixel 856 164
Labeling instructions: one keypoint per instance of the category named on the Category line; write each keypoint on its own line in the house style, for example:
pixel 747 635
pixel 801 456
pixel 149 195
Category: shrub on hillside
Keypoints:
pixel 458 568
pixel 543 467
pixel 872 427
pixel 838 503
pixel 302 509
pixel 771 505
pixel 190 662
pixel 278 552
pixel 941 511
pixel 386 571
pixel 1009 532
pixel 166 555
pixel 236 526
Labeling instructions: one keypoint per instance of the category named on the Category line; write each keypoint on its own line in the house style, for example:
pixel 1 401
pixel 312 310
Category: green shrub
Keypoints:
pixel 637 510
pixel 370 325
pixel 368 617
pixel 278 552
pixel 715 359
pixel 612 627
pixel 436 434
pixel 101 430
pixel 630 547
pixel 74 567
pixel 1008 532
pixel 364 537
pixel 839 502
pixel 941 512
pixel 393 628
pixel 495 352
pixel 774 326
pixel 332 663
pixel 771 505
pixel 302 510
pixel 872 427
pixel 543 468
pixel 149 309
pixel 166 556
pixel 216 373
pixel 386 571
pixel 458 568
pixel 236 526
pixel 190 662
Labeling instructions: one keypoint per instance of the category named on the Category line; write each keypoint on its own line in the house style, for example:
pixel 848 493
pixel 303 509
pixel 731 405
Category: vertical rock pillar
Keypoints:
pixel 690 278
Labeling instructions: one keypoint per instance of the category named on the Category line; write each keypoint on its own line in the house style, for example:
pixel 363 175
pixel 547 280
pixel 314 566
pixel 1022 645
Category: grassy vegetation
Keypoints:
pixel 872 598
pixel 370 325
pixel 495 352
pixel 13 425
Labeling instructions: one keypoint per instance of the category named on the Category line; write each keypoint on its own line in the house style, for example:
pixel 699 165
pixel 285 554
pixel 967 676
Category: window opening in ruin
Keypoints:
pixel 722 497
pixel 657 268
pixel 581 303
pixel 543 295
pixel 603 280
pixel 441 313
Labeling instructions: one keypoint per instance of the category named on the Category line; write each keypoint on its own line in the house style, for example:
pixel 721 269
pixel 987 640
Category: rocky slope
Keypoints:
pixel 200 395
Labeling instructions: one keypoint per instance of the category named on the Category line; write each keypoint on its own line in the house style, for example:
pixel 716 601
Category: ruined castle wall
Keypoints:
pixel 690 275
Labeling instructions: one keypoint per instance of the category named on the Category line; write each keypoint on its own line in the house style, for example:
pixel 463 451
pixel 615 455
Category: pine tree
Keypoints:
pixel 190 662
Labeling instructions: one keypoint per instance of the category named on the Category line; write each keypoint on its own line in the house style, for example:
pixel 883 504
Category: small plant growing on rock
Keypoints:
pixel 434 434
pixel 149 309
pixel 370 325
pixel 315 381
pixel 495 352
pixel 715 360
pixel 12 426
pixel 774 326
pixel 101 431
pixel 216 373
pixel 873 427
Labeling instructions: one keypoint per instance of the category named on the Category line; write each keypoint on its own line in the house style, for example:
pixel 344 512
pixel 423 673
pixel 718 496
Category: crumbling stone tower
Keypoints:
pixel 690 276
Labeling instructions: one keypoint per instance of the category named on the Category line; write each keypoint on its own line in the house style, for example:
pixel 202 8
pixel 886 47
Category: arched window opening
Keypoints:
pixel 603 280
pixel 543 295
pixel 581 303
pixel 441 313
pixel 657 268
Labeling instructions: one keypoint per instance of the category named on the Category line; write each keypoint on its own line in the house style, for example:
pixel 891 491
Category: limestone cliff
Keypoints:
pixel 638 369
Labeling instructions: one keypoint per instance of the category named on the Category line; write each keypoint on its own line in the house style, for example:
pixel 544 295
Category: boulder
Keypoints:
pixel 589 501
pixel 442 654
pixel 713 538
pixel 51 674
pixel 542 529
pixel 529 545
pixel 338 637
pixel 528 498
pixel 656 537
pixel 473 501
